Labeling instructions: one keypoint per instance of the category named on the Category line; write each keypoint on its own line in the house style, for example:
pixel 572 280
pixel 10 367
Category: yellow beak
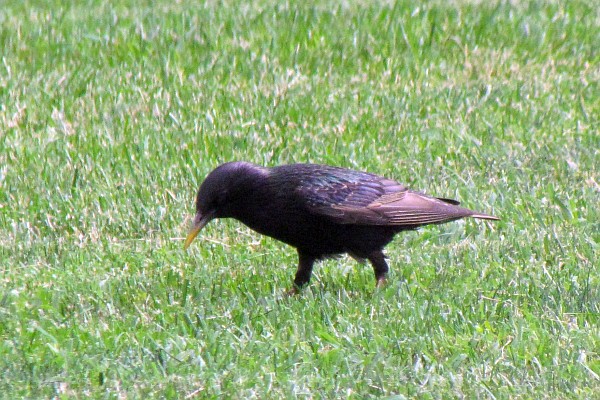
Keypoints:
pixel 199 223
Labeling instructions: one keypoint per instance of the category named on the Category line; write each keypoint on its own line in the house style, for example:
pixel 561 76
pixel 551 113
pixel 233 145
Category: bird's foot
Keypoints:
pixel 294 291
pixel 381 282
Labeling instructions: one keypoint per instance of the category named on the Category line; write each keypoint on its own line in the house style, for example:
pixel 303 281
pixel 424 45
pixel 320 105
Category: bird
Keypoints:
pixel 323 211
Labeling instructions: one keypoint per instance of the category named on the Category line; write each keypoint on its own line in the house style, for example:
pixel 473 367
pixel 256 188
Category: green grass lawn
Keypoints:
pixel 112 113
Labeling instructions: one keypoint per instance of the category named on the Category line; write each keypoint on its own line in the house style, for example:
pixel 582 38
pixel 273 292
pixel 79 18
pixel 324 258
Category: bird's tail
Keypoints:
pixel 484 216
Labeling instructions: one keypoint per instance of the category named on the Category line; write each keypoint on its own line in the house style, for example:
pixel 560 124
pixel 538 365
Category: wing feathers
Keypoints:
pixel 415 209
pixel 403 208
pixel 350 197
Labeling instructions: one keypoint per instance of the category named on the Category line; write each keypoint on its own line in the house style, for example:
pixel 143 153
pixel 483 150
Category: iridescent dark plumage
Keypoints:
pixel 322 211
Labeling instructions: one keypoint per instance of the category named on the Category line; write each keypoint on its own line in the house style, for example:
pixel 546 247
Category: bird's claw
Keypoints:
pixel 294 291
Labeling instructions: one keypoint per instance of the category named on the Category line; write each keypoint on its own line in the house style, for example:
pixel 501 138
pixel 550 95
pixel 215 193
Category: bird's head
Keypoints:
pixel 221 193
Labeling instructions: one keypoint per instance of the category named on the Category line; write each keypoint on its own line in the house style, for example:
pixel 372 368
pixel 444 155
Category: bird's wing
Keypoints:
pixel 370 200
pixel 416 209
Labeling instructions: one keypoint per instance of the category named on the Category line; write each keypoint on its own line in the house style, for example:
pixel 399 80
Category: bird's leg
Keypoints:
pixel 305 266
pixel 380 267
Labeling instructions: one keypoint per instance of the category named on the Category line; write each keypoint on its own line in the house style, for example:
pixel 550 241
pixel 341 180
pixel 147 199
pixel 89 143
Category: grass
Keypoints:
pixel 111 114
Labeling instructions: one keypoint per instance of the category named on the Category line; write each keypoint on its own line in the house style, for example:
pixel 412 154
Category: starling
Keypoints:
pixel 320 210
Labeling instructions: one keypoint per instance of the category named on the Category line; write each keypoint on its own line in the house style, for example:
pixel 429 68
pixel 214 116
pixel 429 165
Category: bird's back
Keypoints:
pixel 359 198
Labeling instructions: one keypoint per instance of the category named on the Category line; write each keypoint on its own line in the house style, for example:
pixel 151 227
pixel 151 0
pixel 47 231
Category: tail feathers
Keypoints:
pixel 472 214
pixel 449 201
pixel 485 216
